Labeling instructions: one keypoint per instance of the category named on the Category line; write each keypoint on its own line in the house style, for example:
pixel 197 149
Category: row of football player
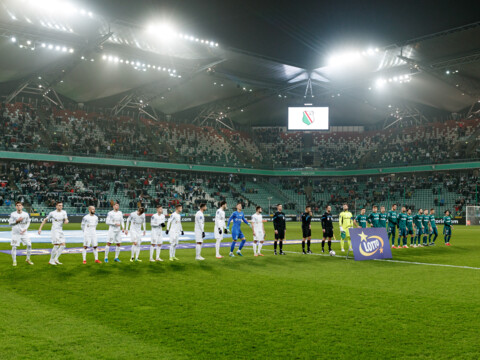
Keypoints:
pixel 421 226
pixel 136 227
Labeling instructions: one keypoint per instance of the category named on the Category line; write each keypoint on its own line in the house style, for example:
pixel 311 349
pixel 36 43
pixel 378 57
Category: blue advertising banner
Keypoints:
pixel 370 243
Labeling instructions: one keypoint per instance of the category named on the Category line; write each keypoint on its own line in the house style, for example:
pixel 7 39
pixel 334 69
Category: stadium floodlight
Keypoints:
pixel 57 48
pixel 29 42
pixel 380 83
pixel 50 46
pixel 164 32
pixel 344 58
pixel 13 39
pixel 104 57
pixel 44 45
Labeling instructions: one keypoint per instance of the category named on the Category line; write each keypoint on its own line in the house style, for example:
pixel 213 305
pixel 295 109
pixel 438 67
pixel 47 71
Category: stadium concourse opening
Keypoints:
pixel 173 173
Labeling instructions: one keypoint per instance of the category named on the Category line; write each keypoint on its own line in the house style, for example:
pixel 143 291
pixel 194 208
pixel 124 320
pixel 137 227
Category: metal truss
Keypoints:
pixel 42 82
pixel 405 113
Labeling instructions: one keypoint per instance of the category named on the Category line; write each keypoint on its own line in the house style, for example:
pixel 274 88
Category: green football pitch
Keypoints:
pixel 289 307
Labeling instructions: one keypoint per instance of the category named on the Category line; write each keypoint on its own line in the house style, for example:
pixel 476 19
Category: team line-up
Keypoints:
pixel 420 225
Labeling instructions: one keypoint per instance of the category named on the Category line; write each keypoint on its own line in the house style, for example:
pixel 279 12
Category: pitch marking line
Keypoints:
pixel 395 261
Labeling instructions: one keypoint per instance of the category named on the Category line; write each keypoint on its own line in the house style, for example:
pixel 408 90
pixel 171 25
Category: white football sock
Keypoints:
pixel 84 254
pixel 174 250
pixel 117 252
pixel 29 251
pixel 259 247
pixel 159 248
pixel 254 245
pixel 152 250
pixel 198 250
pixel 14 253
pixel 137 253
pixel 95 253
pixel 133 251
pixel 170 250
pixel 217 247
pixel 53 253
pixel 107 250
pixel 59 252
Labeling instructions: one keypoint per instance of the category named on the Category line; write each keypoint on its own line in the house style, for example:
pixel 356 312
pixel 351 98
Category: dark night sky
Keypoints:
pixel 299 32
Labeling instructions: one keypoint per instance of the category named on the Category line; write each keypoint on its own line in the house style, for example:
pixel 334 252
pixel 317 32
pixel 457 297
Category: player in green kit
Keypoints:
pixel 410 226
pixel 425 222
pixel 447 227
pixel 382 218
pixel 374 217
pixel 417 222
pixel 361 219
pixel 402 228
pixel 433 228
pixel 392 224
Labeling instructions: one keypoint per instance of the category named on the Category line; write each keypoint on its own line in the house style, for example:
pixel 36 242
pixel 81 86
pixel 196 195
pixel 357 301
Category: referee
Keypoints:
pixel 280 229
pixel 307 229
pixel 327 226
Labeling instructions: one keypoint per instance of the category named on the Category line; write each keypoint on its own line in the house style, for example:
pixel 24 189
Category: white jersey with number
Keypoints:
pixel 18 228
pixel 115 217
pixel 174 224
pixel 89 227
pixel 138 221
pixel 220 219
pixel 257 225
pixel 89 224
pixel 199 226
pixel 156 223
pixel 57 218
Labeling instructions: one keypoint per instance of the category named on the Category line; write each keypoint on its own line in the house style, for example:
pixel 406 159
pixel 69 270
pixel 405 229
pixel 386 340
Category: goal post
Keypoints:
pixel 472 215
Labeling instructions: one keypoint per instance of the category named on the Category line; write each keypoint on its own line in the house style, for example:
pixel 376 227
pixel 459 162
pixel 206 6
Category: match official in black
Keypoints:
pixel 307 229
pixel 280 229
pixel 327 226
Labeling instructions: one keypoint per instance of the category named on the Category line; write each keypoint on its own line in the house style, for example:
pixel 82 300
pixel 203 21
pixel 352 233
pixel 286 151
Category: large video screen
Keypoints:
pixel 308 118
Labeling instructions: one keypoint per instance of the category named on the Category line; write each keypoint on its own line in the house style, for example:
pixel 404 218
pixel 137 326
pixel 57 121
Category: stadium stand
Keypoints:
pixel 77 132
pixel 39 185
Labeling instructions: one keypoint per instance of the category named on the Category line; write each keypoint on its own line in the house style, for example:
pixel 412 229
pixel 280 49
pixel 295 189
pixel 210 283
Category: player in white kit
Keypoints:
pixel 199 231
pixel 174 227
pixel 58 218
pixel 220 227
pixel 258 231
pixel 116 226
pixel 137 218
pixel 158 223
pixel 20 221
pixel 89 228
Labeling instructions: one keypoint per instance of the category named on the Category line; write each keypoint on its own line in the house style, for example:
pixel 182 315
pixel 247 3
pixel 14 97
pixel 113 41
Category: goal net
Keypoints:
pixel 473 215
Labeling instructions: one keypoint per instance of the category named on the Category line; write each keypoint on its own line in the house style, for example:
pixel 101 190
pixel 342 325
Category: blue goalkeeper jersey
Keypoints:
pixel 237 217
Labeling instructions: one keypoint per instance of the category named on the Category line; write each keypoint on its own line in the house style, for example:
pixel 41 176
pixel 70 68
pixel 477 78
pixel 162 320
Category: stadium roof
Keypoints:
pixel 83 55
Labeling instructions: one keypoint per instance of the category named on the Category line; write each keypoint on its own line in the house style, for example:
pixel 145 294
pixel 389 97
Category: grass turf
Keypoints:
pixel 290 307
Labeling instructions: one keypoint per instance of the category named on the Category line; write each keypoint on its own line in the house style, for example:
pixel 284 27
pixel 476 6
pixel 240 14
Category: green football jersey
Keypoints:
pixel 392 218
pixel 382 222
pixel 417 220
pixel 432 221
pixel 374 219
pixel 425 221
pixel 410 222
pixel 361 220
pixel 402 220
pixel 447 221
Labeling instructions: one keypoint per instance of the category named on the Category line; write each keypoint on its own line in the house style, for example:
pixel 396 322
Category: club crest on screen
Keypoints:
pixel 308 117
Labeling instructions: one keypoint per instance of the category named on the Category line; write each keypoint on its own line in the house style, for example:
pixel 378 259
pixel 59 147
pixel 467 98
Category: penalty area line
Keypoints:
pixel 391 260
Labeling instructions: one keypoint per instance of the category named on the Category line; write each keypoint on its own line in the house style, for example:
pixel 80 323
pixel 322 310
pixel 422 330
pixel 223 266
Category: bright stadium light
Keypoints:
pixel 344 58
pixel 13 39
pixel 163 32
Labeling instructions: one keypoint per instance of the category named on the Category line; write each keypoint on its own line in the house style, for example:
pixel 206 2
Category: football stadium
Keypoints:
pixel 239 179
